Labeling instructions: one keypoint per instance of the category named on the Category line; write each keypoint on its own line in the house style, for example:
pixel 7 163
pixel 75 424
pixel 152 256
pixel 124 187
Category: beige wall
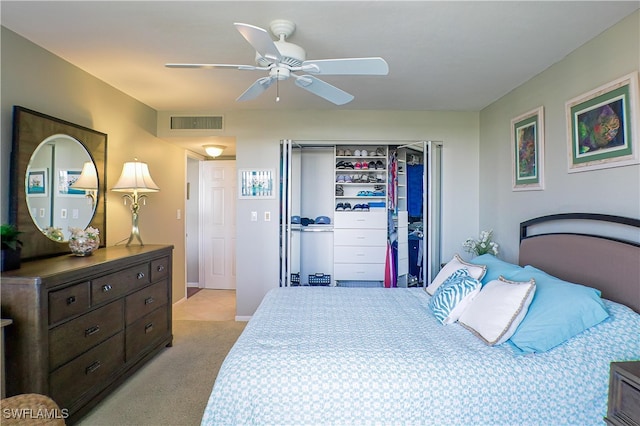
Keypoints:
pixel 477 152
pixel 258 134
pixel 612 54
pixel 35 79
pixel 69 93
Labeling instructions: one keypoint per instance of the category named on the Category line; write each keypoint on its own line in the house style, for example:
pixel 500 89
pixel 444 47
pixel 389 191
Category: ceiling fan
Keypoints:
pixel 283 60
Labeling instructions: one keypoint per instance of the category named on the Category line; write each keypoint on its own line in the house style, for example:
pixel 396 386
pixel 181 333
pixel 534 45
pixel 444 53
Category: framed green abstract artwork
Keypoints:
pixel 602 126
pixel 527 158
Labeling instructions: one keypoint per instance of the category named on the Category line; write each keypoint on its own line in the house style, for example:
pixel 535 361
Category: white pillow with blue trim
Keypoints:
pixel 456 263
pixel 497 311
pixel 453 296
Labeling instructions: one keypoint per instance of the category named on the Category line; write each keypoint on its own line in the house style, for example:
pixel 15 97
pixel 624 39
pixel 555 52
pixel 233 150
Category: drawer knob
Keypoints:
pixel 71 300
pixel 93 367
pixel 148 328
pixel 91 330
pixel 160 268
pixel 140 275
pixel 149 300
pixel 106 288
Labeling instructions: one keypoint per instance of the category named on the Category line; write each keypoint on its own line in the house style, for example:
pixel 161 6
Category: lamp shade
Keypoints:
pixel 135 177
pixel 213 150
pixel 88 177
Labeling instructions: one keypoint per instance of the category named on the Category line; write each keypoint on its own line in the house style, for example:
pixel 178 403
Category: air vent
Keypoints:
pixel 196 123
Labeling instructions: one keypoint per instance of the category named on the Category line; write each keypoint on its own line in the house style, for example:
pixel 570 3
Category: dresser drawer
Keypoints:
pixel 117 284
pixel 71 381
pixel 345 254
pixel 359 272
pixel 159 269
pixel 146 300
pixel 85 332
pixel 370 219
pixel 360 237
pixel 145 331
pixel 68 302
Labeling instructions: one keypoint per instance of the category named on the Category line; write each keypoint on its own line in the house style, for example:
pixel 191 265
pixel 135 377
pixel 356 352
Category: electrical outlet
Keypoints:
pixel 267 216
pixel 63 213
pixel 74 213
pixel 254 216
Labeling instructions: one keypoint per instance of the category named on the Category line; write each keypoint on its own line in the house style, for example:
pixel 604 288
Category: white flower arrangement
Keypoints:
pixel 84 241
pixel 483 245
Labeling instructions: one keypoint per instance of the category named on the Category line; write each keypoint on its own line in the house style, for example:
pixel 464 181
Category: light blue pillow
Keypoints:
pixel 559 311
pixel 453 296
pixel 495 268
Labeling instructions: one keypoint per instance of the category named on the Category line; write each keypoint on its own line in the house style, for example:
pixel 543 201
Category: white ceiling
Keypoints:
pixel 442 55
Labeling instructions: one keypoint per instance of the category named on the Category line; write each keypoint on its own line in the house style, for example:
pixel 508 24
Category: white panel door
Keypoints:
pixel 218 224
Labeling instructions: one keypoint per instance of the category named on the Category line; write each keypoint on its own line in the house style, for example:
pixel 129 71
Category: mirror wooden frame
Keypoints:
pixel 30 128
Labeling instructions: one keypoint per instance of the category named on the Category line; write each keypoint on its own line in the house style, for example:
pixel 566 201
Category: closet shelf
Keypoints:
pixel 309 228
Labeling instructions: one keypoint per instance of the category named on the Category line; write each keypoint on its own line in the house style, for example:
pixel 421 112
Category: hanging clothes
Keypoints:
pixel 415 189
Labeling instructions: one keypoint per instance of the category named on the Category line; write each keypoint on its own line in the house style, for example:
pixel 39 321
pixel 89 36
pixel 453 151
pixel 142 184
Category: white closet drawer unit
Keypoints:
pixel 359 271
pixel 360 237
pixel 360 220
pixel 355 254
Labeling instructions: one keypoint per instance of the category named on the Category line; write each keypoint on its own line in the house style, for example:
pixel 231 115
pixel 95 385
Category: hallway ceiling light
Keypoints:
pixel 213 150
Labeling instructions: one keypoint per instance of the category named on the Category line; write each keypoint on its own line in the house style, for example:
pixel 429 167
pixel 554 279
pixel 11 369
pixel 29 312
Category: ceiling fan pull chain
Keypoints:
pixel 277 85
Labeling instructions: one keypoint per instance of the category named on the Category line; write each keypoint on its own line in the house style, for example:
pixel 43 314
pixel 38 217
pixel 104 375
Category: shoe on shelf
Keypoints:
pixel 364 153
pixel 340 153
pixel 380 151
pixel 339 207
pixel 358 165
pixel 356 153
pixel 365 207
pixel 348 165
pixel 372 164
pixel 347 153
pixel 340 179
pixel 348 179
pixel 347 206
pixel 339 190
pixel 340 165
pixel 365 165
pixel 357 207
pixel 379 165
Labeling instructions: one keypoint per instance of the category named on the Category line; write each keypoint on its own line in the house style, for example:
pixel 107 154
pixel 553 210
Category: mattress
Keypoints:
pixel 318 355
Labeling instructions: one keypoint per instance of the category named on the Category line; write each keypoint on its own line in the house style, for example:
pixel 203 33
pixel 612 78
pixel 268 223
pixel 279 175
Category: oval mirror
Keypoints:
pixel 61 186
pixel 44 192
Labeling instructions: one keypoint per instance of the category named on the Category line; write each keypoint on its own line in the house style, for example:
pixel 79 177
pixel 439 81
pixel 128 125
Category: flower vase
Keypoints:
pixel 84 242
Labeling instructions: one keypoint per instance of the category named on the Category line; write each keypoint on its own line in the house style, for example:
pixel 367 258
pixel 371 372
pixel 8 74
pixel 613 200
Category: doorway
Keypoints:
pixel 218 189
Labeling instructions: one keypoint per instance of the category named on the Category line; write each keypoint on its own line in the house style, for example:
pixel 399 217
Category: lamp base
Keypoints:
pixel 135 231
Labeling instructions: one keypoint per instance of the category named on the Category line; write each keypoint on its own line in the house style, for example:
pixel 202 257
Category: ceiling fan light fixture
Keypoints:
pixel 213 150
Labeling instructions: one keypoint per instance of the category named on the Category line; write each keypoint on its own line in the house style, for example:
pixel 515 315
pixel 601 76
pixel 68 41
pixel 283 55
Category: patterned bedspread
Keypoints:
pixel 319 355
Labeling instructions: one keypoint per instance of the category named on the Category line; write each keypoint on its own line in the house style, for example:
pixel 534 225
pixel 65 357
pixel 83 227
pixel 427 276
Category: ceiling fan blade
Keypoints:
pixel 347 66
pixel 256 89
pixel 261 41
pixel 323 89
pixel 220 66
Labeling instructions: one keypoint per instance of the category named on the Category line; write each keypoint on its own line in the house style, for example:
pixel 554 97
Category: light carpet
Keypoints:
pixel 173 388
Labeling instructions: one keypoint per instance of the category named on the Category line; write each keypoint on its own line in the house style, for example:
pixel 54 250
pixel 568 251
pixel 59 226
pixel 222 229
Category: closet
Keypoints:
pixel 359 213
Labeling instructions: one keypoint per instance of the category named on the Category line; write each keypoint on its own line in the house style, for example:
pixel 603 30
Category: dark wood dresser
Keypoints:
pixel 82 325
pixel 624 394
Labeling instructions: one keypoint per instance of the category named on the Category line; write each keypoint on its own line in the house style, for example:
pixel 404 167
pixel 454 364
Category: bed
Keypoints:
pixel 320 355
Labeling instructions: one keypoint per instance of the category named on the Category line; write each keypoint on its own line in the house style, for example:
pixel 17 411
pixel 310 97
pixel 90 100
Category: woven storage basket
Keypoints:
pixel 31 409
